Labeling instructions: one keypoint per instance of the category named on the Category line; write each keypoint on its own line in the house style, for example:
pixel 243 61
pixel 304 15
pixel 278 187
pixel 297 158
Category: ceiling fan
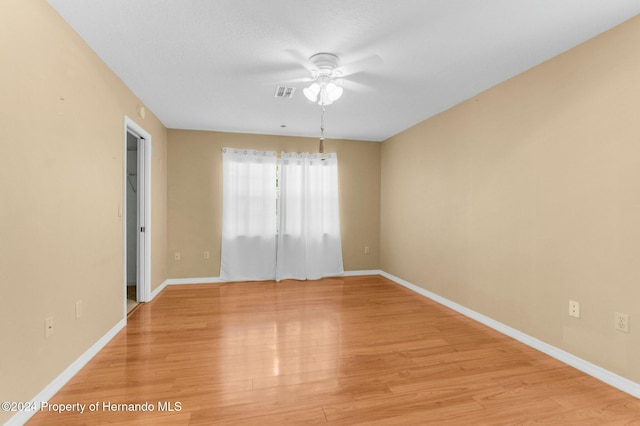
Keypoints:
pixel 325 76
pixel 329 78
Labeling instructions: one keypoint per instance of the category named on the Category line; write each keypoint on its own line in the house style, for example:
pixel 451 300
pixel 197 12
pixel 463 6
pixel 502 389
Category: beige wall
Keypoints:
pixel 61 183
pixel 528 195
pixel 195 196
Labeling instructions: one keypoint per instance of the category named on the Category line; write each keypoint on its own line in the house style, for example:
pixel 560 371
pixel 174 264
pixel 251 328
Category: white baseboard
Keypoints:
pixel 45 394
pixel 212 280
pixel 362 273
pixel 599 373
pixel 204 280
pixel 157 290
pixel 182 281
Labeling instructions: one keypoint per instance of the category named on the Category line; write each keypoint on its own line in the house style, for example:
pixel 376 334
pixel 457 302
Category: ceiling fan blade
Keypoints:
pixel 298 80
pixel 354 86
pixel 300 59
pixel 368 63
pixel 288 66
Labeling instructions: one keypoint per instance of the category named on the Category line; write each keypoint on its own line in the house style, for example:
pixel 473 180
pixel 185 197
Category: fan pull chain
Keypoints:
pixel 321 149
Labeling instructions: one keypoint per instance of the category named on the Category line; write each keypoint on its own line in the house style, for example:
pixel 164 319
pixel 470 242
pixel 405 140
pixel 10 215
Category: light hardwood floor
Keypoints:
pixel 354 350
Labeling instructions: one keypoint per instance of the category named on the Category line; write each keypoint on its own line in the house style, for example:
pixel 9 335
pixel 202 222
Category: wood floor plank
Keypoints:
pixel 343 351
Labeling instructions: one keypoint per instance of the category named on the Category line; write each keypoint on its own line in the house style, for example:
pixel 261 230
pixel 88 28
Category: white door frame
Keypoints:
pixel 143 287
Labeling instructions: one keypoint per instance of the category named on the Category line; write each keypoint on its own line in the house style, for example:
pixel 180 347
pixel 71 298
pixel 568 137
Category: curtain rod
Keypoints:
pixel 278 155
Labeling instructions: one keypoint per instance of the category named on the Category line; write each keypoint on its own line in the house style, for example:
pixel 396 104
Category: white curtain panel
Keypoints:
pixel 309 244
pixel 248 215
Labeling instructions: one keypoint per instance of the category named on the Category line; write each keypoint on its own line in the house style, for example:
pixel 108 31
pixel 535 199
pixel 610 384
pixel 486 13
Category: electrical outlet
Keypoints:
pixel 48 327
pixel 622 322
pixel 206 255
pixel 574 309
pixel 176 255
pixel 78 309
pixel 366 250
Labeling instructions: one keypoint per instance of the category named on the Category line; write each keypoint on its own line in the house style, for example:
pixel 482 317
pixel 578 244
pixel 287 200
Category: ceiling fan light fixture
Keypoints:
pixel 324 89
pixel 334 91
pixel 324 92
pixel 311 92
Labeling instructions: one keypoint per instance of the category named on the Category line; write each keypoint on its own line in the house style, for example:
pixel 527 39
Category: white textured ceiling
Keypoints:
pixel 214 64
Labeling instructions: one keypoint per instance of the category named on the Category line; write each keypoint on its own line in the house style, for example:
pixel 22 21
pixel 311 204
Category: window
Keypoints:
pixel 305 188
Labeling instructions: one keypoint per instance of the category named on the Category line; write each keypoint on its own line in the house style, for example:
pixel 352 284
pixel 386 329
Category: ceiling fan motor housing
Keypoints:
pixel 326 64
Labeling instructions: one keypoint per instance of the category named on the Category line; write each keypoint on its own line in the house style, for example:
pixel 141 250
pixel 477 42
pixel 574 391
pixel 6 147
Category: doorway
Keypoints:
pixel 137 200
pixel 132 221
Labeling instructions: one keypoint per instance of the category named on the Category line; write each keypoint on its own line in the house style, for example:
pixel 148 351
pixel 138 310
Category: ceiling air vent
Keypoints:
pixel 284 92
